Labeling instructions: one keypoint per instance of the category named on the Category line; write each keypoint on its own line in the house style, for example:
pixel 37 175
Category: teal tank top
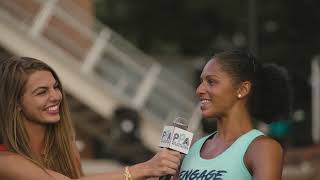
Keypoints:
pixel 228 165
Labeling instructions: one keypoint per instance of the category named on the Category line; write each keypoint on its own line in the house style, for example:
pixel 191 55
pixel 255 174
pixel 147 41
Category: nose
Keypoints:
pixel 55 95
pixel 200 89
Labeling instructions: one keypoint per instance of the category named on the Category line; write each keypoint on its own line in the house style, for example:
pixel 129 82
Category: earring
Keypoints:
pixel 239 95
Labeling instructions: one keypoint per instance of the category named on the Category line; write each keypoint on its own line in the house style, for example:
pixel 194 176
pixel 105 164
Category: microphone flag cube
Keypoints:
pixel 176 139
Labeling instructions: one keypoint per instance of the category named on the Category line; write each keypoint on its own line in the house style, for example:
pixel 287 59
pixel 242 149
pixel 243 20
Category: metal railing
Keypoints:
pixel 135 77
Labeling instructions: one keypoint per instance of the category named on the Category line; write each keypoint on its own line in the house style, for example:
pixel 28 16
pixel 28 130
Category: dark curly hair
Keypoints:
pixel 270 97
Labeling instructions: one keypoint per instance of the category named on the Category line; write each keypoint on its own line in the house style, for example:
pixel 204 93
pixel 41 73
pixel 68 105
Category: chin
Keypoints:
pixel 210 114
pixel 206 114
pixel 52 120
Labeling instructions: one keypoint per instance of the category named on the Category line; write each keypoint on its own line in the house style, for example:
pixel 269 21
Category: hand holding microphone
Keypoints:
pixel 163 163
pixel 177 138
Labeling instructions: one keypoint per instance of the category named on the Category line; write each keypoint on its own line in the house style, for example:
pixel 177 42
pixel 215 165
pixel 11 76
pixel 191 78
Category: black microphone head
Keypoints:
pixel 181 123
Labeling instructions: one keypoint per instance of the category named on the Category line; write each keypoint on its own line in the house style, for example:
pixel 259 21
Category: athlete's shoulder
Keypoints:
pixel 265 158
pixel 265 143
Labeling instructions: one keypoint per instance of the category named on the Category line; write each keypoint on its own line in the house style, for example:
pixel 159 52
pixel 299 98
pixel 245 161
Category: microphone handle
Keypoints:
pixel 167 177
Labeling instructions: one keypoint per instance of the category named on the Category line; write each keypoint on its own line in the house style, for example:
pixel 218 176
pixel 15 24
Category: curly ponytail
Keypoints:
pixel 270 96
pixel 274 94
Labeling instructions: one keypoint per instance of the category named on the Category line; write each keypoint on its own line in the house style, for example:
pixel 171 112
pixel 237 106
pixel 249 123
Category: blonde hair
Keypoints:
pixel 59 154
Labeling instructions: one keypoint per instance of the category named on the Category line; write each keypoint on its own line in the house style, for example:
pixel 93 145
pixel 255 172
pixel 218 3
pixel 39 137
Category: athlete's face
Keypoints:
pixel 216 91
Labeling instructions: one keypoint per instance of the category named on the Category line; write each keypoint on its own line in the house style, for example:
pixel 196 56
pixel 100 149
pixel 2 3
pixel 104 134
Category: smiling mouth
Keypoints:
pixel 53 109
pixel 204 102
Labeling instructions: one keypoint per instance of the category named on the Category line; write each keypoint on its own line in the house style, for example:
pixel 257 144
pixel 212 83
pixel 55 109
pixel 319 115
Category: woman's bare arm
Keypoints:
pixel 15 167
pixel 265 159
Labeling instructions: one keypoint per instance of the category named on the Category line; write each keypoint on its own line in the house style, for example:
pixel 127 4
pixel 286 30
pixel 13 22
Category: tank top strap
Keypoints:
pixel 244 141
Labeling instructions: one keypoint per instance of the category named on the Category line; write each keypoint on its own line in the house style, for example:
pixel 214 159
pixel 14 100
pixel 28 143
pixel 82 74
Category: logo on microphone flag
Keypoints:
pixel 176 139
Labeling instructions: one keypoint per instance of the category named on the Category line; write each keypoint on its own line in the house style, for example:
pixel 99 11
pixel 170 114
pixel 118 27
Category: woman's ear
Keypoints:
pixel 244 89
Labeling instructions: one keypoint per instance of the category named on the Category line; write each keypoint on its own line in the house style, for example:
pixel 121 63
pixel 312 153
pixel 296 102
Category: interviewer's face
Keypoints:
pixel 216 91
pixel 41 99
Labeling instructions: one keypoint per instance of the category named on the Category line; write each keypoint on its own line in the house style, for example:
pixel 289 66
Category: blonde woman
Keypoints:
pixel 38 137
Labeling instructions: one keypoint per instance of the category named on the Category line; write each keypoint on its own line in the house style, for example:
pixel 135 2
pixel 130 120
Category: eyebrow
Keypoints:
pixel 44 87
pixel 208 76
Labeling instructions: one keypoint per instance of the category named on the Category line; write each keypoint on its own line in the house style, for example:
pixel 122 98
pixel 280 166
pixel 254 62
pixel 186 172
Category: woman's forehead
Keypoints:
pixel 215 68
pixel 212 67
pixel 40 78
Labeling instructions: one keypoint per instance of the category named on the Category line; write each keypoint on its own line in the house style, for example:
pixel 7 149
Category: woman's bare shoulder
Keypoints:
pixel 264 147
pixel 265 143
pixel 8 158
pixel 14 166
pixel 265 158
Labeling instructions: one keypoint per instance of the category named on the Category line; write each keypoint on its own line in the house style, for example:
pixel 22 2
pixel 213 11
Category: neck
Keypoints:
pixel 36 132
pixel 234 124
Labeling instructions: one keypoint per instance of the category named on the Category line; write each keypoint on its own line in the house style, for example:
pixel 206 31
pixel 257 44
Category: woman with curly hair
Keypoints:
pixel 236 89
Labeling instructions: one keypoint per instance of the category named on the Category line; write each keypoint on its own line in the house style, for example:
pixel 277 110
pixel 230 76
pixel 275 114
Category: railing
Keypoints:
pixel 135 77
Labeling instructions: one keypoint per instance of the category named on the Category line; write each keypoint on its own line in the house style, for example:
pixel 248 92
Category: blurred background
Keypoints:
pixel 129 67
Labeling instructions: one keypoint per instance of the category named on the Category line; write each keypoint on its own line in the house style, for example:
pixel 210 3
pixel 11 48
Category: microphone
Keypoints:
pixel 176 137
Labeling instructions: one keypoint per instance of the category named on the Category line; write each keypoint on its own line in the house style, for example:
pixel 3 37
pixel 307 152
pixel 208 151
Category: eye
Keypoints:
pixel 42 92
pixel 211 81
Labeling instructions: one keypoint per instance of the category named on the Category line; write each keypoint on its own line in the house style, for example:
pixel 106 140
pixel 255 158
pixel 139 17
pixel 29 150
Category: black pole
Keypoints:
pixel 252 27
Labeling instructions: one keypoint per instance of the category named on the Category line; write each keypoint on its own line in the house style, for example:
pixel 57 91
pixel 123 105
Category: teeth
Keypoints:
pixel 205 101
pixel 54 108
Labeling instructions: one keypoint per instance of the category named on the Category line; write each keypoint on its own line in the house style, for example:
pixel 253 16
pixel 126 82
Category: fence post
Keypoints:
pixel 42 18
